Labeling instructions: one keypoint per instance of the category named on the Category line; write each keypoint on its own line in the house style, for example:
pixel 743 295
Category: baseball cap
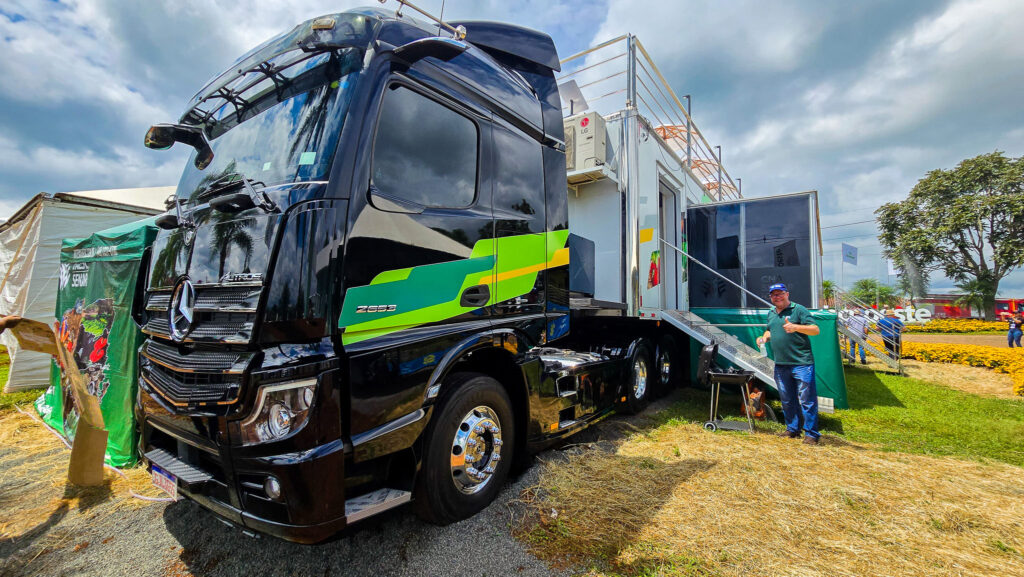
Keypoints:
pixel 777 287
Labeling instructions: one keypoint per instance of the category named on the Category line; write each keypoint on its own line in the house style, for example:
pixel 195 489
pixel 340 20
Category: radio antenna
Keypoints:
pixel 458 32
pixel 440 18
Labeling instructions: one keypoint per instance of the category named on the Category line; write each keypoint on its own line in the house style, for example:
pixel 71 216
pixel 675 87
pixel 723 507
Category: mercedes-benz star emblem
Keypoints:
pixel 183 302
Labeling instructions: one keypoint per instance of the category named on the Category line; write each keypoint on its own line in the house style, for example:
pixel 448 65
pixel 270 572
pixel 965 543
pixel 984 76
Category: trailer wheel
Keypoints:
pixel 666 365
pixel 641 380
pixel 469 444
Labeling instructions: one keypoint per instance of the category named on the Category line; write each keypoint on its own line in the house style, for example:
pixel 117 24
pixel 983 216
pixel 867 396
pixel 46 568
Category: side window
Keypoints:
pixel 424 152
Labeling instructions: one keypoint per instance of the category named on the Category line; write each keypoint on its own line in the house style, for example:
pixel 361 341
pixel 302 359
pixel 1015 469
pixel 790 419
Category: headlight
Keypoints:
pixel 280 410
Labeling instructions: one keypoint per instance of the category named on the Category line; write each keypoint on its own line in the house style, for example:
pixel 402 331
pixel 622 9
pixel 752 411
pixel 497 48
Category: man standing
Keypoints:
pixel 858 325
pixel 789 327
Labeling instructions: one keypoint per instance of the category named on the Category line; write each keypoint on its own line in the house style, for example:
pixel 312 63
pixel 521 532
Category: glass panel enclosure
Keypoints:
pixel 754 243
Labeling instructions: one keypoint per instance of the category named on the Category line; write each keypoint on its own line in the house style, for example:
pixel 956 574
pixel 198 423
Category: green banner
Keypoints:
pixel 829 377
pixel 94 300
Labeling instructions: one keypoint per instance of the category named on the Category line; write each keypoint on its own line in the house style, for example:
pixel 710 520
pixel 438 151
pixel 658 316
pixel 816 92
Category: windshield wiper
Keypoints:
pixel 227 196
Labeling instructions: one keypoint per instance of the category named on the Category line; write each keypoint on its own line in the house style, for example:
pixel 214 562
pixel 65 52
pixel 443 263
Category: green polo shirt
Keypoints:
pixel 790 348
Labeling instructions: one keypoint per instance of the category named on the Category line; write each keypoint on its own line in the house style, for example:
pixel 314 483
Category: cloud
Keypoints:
pixel 743 35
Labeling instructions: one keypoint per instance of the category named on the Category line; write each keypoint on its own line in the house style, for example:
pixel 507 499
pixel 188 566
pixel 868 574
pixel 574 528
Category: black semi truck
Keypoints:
pixel 361 294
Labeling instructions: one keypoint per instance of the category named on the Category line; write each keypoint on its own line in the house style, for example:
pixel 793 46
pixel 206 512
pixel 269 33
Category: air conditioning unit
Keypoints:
pixel 585 141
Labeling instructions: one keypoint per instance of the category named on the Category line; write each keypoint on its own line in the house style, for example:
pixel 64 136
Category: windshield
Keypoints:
pixel 292 138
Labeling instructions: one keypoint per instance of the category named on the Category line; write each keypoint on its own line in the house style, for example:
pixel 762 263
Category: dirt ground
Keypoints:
pixel 50 528
pixel 990 340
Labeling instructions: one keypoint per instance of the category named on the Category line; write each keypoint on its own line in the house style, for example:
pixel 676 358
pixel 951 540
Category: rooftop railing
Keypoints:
pixel 620 74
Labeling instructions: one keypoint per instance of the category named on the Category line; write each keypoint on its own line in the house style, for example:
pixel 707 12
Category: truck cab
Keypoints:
pixel 360 295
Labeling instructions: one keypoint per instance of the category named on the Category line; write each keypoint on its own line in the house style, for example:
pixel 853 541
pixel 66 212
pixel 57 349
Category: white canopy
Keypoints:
pixel 30 243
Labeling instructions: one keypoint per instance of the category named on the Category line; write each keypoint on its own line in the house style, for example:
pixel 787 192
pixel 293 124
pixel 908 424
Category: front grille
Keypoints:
pixel 183 389
pixel 229 362
pixel 229 328
pixel 158 326
pixel 158 302
pixel 222 314
pixel 241 299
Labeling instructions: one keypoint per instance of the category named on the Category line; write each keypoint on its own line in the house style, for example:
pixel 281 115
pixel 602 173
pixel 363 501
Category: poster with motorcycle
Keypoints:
pixel 93 323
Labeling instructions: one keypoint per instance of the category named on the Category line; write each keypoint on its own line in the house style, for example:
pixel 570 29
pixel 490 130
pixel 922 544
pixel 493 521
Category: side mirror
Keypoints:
pixel 437 46
pixel 167 221
pixel 163 136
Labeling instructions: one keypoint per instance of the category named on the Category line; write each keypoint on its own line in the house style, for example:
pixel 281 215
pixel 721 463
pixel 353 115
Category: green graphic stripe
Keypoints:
pixel 431 293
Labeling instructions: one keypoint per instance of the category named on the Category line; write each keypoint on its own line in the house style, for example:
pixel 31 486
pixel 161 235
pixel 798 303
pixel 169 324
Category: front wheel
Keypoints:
pixel 468 448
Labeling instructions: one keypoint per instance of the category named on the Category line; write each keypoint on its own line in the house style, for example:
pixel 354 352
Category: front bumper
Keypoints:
pixel 229 480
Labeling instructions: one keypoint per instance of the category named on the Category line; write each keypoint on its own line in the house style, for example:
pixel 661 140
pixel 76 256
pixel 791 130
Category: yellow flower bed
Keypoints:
pixel 956 326
pixel 1009 361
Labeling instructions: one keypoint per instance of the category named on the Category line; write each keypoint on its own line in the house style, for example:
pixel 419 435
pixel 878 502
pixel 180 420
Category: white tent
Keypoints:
pixel 30 243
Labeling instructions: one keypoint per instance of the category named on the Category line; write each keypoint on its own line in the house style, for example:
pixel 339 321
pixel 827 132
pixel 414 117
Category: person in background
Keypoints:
pixel 891 329
pixel 790 327
pixel 1016 324
pixel 858 325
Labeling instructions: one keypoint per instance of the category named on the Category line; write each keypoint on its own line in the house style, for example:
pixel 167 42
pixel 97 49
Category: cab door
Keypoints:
pixel 421 250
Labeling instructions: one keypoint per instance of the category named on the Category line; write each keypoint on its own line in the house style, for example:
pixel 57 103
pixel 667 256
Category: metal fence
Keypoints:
pixel 865 336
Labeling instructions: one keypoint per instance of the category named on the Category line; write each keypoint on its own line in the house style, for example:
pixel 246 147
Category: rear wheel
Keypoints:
pixel 667 366
pixel 468 450
pixel 641 379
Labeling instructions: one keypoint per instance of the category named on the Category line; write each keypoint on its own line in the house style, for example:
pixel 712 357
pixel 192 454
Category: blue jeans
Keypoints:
pixel 799 397
pixel 1013 337
pixel 853 349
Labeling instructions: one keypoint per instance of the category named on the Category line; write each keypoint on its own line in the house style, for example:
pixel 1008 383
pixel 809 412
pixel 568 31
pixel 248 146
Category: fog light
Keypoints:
pixel 272 487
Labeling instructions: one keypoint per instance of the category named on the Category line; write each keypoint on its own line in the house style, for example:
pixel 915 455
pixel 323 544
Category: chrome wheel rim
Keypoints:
pixel 639 378
pixel 476 450
pixel 664 367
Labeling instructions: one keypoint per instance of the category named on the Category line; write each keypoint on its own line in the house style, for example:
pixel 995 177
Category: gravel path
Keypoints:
pixel 182 539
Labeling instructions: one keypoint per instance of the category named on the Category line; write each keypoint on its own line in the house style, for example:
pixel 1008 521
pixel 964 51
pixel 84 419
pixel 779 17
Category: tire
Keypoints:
pixel 474 420
pixel 666 366
pixel 638 386
pixel 709 426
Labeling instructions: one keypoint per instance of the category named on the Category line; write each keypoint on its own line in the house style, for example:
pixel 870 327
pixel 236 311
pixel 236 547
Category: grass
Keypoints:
pixel 9 400
pixel 915 479
pixel 5 366
pixel 902 414
pixel 908 415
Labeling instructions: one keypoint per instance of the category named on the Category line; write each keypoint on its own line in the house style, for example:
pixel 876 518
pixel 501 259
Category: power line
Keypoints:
pixel 848 223
pixel 850 236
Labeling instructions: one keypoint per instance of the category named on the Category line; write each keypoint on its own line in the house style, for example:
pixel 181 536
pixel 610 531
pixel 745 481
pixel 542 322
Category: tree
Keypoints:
pixel 870 291
pixel 967 222
pixel 911 287
pixel 972 294
pixel 828 292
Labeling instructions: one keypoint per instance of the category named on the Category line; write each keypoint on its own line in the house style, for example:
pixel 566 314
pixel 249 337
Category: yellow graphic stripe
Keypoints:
pixel 560 258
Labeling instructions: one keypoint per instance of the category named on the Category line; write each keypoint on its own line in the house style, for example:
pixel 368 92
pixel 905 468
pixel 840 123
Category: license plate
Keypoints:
pixel 166 482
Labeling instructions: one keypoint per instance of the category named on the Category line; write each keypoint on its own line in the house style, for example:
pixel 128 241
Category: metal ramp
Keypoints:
pixel 729 346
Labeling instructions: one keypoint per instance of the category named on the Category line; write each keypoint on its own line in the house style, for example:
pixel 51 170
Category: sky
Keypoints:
pixel 857 100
